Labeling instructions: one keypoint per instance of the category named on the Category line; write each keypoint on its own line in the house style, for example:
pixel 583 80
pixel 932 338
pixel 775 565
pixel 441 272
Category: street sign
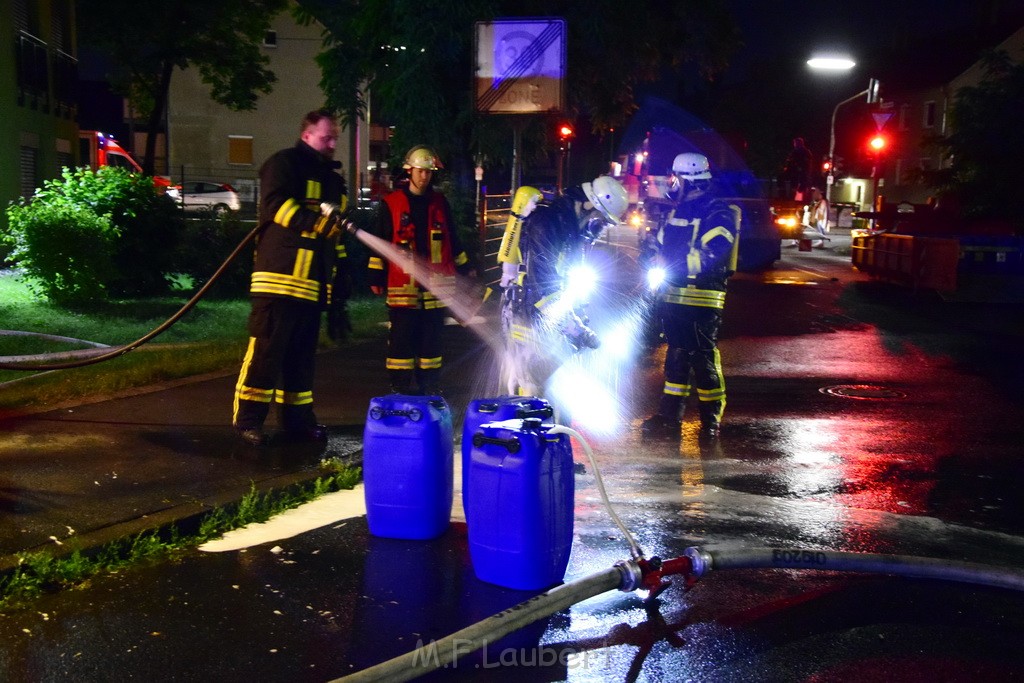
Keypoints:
pixel 881 118
pixel 520 66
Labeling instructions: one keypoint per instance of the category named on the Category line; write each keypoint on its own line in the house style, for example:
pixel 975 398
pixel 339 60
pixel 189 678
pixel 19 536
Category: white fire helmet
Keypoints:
pixel 421 156
pixel 691 166
pixel 608 196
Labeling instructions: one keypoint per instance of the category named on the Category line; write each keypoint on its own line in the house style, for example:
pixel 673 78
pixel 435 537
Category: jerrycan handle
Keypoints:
pixel 512 444
pixel 546 411
pixel 414 414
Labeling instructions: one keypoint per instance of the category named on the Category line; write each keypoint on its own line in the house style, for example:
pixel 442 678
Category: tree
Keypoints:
pixel 416 58
pixel 148 42
pixel 986 144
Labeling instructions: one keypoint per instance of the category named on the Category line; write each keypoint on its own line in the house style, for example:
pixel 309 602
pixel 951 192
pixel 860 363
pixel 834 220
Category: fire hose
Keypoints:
pixel 651 575
pixel 122 350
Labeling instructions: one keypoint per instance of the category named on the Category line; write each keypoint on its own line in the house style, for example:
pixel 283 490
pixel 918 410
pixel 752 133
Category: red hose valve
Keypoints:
pixel 655 570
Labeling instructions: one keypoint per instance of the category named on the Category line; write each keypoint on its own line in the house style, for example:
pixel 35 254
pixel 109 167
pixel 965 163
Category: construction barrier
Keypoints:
pixel 991 255
pixel 919 262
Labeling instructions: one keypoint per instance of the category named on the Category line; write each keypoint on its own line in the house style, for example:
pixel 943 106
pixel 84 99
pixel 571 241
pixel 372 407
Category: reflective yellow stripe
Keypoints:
pixel 430 363
pixel 691 296
pixel 285 212
pixel 293 398
pixel 710 394
pixel 265 282
pixel 673 389
pixel 400 363
pixel 693 262
pixel 303 262
pixel 715 232
pixel 375 263
pixel 340 251
pixel 461 259
pixel 313 189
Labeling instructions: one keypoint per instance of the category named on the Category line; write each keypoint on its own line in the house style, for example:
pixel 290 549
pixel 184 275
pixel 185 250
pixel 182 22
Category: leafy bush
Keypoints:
pixel 65 250
pixel 145 228
pixel 206 243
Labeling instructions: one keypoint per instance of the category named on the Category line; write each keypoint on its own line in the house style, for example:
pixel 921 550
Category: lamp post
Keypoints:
pixel 872 96
pixel 840 64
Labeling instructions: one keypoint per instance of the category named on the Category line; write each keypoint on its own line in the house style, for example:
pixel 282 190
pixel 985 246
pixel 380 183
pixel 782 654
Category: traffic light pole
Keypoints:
pixel 872 96
pixel 830 181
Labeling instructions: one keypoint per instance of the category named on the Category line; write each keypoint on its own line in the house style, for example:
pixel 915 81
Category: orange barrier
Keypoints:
pixel 919 262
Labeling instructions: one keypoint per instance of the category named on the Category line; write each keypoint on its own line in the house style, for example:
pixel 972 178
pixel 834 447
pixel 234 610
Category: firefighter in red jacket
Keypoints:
pixel 295 266
pixel 417 220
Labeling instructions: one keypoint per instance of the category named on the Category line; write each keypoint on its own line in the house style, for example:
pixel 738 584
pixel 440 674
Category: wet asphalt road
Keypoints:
pixel 861 418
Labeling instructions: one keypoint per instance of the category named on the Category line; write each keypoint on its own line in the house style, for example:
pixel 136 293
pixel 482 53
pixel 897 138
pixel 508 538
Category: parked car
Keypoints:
pixel 207 196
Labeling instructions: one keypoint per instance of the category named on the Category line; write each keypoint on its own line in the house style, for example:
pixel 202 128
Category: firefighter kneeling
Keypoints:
pixel 697 247
pixel 542 244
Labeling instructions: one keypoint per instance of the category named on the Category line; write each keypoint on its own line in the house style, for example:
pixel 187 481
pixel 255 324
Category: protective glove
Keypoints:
pixel 509 274
pixel 578 334
pixel 338 324
pixel 331 225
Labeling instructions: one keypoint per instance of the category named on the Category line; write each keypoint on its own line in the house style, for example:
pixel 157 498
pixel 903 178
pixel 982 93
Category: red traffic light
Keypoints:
pixel 565 131
pixel 826 166
pixel 878 143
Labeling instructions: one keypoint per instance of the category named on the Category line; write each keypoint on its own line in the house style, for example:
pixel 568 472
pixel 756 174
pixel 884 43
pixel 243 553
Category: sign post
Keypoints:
pixel 520 69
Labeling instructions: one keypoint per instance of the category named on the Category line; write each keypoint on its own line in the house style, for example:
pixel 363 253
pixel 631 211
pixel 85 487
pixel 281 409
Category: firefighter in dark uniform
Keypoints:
pixel 540 247
pixel 295 265
pixel 417 220
pixel 697 247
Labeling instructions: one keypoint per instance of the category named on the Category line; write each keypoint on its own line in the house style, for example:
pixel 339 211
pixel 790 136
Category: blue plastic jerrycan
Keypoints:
pixel 408 466
pixel 520 520
pixel 498 409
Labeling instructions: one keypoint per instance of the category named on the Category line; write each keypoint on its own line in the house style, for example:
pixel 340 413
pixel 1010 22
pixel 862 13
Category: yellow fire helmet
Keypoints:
pixel 421 156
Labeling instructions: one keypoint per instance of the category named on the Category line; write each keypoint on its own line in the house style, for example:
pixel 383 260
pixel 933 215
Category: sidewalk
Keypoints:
pixel 77 477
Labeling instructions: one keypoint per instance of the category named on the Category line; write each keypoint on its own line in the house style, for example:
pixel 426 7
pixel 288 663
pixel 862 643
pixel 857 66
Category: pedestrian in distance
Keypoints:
pixel 697 247
pixel 302 196
pixel 819 215
pixel 417 219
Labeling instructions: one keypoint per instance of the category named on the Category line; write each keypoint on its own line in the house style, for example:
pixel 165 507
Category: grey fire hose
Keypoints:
pixel 122 350
pixel 907 566
pixel 649 575
pixel 439 653
pixel 630 575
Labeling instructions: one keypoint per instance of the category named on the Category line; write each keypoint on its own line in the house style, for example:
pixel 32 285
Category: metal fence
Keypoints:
pixel 494 211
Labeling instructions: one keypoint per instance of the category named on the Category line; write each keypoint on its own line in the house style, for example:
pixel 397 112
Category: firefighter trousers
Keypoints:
pixel 279 365
pixel 692 336
pixel 414 349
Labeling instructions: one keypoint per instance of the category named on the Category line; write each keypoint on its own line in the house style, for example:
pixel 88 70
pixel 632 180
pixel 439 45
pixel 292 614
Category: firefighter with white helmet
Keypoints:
pixel 697 247
pixel 536 302
pixel 417 219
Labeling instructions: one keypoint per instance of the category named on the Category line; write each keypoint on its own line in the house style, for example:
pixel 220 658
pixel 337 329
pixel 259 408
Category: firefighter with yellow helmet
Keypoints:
pixel 697 247
pixel 543 241
pixel 417 219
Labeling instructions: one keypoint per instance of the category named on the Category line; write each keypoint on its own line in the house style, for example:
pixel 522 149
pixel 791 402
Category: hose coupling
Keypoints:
pixel 701 561
pixel 350 227
pixel 632 575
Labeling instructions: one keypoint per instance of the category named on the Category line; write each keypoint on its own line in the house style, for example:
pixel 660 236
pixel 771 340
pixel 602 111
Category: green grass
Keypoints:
pixel 213 332
pixel 40 573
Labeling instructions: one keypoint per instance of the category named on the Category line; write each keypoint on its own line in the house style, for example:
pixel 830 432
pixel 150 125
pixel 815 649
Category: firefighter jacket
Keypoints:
pixel 550 244
pixel 421 227
pixel 697 247
pixel 296 259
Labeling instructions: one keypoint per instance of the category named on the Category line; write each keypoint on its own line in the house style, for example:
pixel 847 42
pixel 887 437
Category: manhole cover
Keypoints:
pixel 863 391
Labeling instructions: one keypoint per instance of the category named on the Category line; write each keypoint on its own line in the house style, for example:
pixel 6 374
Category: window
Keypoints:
pixel 270 39
pixel 29 170
pixel 240 149
pixel 929 114
pixel 904 110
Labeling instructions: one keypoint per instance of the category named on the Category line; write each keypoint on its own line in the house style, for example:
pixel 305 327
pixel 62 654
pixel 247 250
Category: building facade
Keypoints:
pixel 207 141
pixel 38 107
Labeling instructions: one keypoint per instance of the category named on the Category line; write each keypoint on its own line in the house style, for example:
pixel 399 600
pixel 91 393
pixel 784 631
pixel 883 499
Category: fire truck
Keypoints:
pixel 99 149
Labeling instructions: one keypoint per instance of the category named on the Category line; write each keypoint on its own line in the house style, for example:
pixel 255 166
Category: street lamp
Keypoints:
pixel 840 64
